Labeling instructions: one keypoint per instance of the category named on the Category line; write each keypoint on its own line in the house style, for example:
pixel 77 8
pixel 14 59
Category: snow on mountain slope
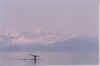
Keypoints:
pixel 35 38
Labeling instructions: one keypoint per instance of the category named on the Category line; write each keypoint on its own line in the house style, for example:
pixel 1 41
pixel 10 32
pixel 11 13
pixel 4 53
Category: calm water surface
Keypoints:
pixel 47 58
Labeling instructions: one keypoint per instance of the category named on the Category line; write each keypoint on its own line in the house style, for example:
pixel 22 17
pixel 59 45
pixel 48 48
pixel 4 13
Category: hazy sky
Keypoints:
pixel 65 17
pixel 77 17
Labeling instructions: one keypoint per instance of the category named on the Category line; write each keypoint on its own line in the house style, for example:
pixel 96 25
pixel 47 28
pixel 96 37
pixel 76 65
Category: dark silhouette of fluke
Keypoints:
pixel 34 59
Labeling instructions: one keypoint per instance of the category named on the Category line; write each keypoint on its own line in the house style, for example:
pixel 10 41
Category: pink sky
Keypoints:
pixel 62 16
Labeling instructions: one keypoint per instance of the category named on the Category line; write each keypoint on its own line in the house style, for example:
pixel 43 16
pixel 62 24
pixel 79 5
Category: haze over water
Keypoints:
pixel 61 32
pixel 47 58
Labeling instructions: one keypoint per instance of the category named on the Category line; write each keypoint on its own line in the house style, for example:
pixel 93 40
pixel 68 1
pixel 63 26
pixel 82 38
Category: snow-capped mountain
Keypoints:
pixel 28 41
pixel 35 38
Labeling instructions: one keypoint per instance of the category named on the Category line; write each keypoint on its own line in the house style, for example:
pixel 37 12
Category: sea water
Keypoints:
pixel 47 58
